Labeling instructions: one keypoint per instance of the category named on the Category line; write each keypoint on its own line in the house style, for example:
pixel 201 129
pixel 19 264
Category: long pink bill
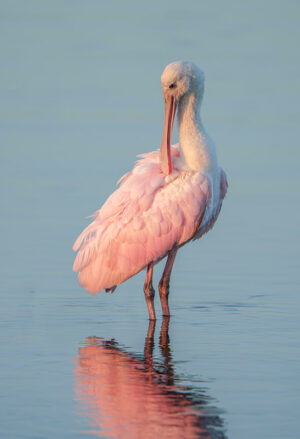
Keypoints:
pixel 165 149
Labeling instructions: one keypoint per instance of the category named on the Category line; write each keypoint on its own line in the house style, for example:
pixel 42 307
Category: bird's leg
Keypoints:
pixel 165 281
pixel 149 292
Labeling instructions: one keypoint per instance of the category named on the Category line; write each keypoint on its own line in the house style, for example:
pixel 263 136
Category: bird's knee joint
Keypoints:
pixel 163 288
pixel 149 291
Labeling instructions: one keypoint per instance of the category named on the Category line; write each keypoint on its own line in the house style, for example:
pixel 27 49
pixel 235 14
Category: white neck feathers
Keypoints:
pixel 198 150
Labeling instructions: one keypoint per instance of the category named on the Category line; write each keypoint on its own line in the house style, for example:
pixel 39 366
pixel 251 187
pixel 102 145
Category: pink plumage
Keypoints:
pixel 159 205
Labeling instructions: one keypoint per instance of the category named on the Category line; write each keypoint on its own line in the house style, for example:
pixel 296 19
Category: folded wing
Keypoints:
pixel 139 223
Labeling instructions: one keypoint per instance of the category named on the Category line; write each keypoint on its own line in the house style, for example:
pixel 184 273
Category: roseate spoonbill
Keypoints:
pixel 171 196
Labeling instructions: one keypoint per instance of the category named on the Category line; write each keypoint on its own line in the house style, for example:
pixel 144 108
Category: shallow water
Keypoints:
pixel 80 99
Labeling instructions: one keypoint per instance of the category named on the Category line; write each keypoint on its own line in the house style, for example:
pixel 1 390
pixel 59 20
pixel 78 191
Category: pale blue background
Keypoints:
pixel 80 98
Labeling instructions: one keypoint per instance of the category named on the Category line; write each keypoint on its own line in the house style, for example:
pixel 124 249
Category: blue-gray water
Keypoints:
pixel 80 98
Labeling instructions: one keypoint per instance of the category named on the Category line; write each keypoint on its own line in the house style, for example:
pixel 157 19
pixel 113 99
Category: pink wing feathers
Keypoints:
pixel 139 223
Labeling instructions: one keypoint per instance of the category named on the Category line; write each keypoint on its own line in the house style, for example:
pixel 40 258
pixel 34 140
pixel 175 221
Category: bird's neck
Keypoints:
pixel 196 147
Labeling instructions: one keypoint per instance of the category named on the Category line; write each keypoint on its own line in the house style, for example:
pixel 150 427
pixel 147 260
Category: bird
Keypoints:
pixel 171 196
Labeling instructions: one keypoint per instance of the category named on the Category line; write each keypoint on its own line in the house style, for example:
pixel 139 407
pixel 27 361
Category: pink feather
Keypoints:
pixel 140 222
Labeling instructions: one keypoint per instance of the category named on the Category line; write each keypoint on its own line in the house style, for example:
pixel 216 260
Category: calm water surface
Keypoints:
pixel 80 98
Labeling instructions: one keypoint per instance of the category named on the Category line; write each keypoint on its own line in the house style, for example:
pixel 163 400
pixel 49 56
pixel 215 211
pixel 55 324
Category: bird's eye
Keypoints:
pixel 173 85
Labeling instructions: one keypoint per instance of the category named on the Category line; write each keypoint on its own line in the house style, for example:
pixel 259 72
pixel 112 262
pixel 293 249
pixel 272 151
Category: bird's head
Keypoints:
pixel 179 79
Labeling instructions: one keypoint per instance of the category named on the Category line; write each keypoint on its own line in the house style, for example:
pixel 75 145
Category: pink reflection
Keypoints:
pixel 126 396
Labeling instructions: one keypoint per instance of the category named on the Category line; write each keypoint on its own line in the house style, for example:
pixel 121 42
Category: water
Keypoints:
pixel 80 97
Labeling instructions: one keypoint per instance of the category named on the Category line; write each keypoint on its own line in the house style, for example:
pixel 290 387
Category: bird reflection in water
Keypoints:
pixel 130 396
